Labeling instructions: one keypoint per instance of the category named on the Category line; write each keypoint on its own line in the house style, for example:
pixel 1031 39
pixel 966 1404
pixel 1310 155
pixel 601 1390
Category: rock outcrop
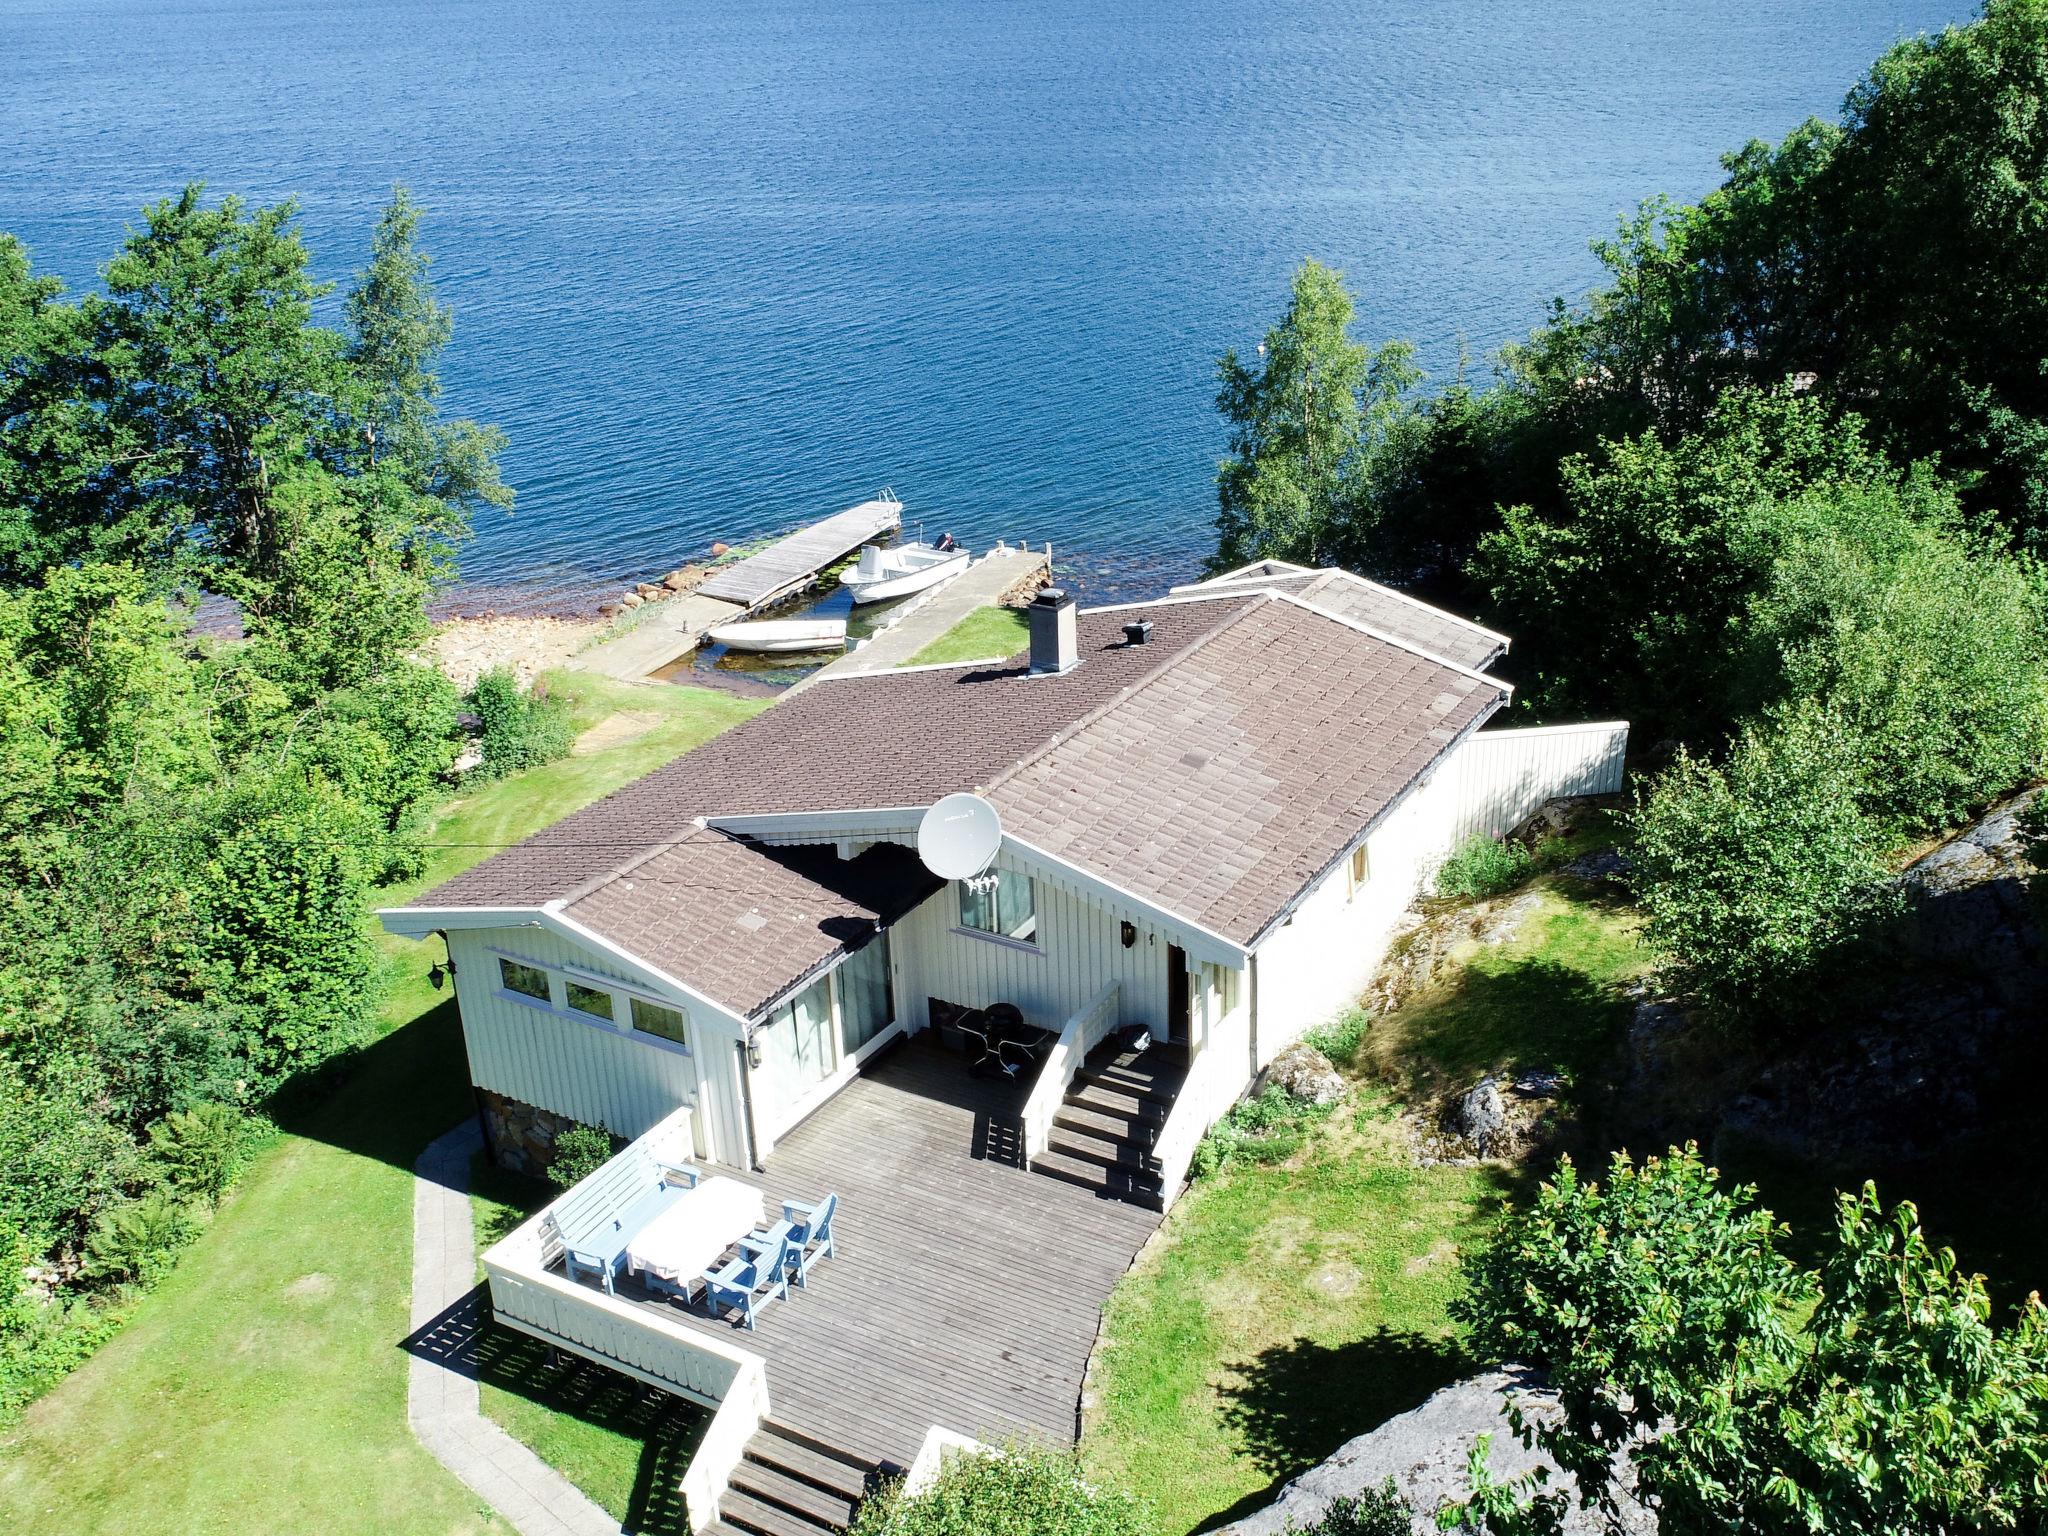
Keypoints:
pixel 1302 1072
pixel 1425 1452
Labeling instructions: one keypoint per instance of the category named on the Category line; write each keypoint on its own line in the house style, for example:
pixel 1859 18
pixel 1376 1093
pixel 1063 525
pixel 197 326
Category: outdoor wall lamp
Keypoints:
pixel 754 1052
pixel 1130 934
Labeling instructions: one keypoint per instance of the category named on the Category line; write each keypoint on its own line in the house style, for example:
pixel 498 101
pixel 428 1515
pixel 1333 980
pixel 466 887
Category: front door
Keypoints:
pixel 1179 1017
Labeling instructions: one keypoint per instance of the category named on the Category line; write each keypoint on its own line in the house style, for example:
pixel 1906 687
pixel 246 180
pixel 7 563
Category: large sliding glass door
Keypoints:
pixel 796 1043
pixel 866 1005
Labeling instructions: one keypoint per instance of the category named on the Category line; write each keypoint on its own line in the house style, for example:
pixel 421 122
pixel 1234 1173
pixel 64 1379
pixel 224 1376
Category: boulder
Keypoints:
pixel 650 591
pixel 1425 1451
pixel 611 609
pixel 1480 1116
pixel 630 599
pixel 720 548
pixel 1302 1072
pixel 676 580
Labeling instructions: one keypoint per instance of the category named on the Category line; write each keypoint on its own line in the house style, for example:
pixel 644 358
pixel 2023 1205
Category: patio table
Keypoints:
pixel 699 1224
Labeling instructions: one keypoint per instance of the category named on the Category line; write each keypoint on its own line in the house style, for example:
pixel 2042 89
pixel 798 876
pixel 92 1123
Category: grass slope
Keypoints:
pixel 985 634
pixel 261 1386
pixel 1284 1309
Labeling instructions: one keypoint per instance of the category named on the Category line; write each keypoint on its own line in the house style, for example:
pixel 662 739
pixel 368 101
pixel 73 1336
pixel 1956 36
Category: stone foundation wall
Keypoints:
pixel 522 1136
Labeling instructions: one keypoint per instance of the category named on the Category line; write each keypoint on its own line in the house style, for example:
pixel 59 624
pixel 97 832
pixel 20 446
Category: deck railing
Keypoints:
pixel 527 1294
pixel 1217 1076
pixel 1082 1033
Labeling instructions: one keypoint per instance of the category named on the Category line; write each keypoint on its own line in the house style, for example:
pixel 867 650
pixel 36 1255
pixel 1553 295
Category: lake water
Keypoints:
pixel 721 269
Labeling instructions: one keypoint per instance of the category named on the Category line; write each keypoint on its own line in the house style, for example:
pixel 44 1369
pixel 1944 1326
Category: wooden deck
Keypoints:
pixel 790 563
pixel 965 1292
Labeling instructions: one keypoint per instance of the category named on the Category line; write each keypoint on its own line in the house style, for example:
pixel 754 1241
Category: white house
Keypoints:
pixel 1220 802
pixel 1213 810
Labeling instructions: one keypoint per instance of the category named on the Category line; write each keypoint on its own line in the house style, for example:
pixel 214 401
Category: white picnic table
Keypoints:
pixel 697 1226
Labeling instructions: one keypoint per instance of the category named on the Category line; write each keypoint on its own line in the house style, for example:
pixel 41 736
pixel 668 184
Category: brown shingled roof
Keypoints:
pixel 1236 776
pixel 1368 603
pixel 1214 771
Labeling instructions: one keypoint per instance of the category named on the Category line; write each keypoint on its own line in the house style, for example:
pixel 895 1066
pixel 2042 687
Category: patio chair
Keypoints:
pixel 748 1282
pixel 782 1236
pixel 810 1234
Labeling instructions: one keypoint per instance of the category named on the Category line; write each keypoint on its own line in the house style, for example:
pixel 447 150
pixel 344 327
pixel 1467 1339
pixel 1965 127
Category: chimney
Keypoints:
pixel 1055 648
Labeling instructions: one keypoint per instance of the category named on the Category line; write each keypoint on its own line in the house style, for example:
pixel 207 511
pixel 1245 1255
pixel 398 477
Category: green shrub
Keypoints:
pixel 520 728
pixel 1378 1511
pixel 1757 873
pixel 41 1337
pixel 579 1152
pixel 200 1150
pixel 1014 1492
pixel 1483 868
pixel 137 1239
pixel 1341 1038
pixel 1268 1127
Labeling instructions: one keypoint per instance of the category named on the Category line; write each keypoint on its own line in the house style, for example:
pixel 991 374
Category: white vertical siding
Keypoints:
pixel 1080 947
pixel 1499 778
pixel 1318 964
pixel 560 1063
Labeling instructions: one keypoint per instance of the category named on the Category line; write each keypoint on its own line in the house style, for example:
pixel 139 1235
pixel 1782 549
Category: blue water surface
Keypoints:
pixel 719 269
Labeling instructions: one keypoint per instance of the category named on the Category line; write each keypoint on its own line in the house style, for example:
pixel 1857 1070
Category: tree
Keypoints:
pixel 1627 594
pixel 1923 638
pixel 221 376
pixel 398 330
pixel 1759 872
pixel 1663 1311
pixel 1304 426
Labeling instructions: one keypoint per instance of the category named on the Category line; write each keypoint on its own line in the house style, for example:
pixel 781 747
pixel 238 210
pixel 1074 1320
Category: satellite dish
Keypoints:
pixel 959 836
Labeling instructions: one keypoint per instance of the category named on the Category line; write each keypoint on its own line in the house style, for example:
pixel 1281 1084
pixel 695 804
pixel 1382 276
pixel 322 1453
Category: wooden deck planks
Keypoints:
pixel 965 1292
pixel 789 562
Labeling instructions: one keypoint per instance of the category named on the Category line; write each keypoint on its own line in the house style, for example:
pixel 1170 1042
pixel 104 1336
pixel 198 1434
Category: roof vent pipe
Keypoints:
pixel 1138 632
pixel 1055 646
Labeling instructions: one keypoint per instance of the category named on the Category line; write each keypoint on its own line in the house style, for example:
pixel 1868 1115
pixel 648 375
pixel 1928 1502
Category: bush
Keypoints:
pixel 521 729
pixel 579 1152
pixel 1378 1511
pixel 41 1337
pixel 1014 1492
pixel 1483 868
pixel 200 1150
pixel 1758 873
pixel 1268 1127
pixel 1926 642
pixel 137 1239
pixel 1341 1038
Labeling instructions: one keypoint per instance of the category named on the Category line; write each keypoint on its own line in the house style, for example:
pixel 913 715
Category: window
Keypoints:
pixel 1008 911
pixel 526 980
pixel 589 1000
pixel 796 1041
pixel 865 1006
pixel 655 1019
pixel 1361 868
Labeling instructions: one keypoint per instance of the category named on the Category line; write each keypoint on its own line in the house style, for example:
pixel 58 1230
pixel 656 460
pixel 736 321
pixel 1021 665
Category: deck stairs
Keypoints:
pixel 1103 1135
pixel 791 1484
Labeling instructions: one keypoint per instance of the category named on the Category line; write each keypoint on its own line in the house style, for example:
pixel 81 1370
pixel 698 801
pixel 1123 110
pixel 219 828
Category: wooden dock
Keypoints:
pixel 676 626
pixel 794 562
pixel 987 581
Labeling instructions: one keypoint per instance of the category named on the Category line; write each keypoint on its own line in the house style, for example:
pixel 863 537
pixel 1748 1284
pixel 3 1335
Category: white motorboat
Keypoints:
pixel 775 636
pixel 884 573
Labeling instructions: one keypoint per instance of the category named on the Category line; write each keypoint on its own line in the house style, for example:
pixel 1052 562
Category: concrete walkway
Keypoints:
pixel 442 1400
pixel 987 581
pixel 671 629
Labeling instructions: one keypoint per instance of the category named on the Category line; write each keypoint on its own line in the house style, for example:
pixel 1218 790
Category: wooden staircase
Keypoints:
pixel 790 1484
pixel 1103 1135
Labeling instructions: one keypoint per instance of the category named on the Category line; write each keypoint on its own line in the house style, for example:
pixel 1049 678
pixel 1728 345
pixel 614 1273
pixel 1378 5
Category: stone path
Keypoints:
pixel 442 1400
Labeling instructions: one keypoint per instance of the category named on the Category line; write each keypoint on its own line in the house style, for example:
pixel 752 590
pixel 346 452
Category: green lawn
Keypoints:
pixel 261 1386
pixel 985 634
pixel 1284 1309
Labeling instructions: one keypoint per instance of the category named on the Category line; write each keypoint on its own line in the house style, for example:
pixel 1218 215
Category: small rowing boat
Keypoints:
pixel 776 636
pixel 884 573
